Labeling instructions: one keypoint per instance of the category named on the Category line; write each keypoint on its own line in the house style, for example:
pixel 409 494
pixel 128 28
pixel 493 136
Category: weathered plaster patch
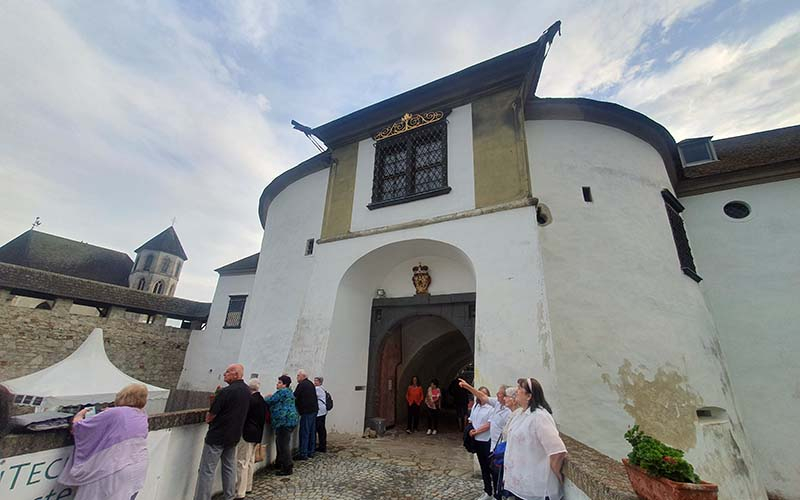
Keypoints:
pixel 664 406
pixel 724 459
pixel 544 335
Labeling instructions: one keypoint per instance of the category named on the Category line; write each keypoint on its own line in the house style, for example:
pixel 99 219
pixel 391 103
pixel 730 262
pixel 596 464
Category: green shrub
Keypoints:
pixel 658 459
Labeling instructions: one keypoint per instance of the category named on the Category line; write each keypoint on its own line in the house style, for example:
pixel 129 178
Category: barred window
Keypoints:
pixel 148 263
pixel 235 311
pixel 410 166
pixel 674 209
pixel 165 266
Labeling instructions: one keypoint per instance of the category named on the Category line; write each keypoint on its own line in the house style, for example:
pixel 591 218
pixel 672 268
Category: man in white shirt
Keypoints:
pixel 322 433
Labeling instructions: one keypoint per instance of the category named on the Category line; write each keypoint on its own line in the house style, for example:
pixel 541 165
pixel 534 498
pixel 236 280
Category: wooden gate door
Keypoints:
pixel 390 358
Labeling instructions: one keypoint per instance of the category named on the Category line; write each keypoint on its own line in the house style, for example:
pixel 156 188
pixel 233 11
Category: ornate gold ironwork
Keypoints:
pixel 409 122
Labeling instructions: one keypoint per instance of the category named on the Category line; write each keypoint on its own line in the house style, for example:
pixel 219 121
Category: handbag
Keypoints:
pixel 469 441
pixel 261 452
pixel 496 456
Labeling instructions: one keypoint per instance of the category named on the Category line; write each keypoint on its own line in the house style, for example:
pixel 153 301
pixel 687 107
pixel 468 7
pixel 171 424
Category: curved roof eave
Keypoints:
pixel 281 182
pixel 613 115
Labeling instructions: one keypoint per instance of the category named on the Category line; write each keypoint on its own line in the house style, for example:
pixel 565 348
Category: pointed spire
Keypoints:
pixel 166 241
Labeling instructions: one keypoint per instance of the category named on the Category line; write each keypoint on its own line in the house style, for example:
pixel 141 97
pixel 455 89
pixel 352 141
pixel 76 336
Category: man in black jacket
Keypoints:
pixel 225 421
pixel 305 395
pixel 251 437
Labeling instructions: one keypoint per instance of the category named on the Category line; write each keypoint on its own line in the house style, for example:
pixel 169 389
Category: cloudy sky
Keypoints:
pixel 116 117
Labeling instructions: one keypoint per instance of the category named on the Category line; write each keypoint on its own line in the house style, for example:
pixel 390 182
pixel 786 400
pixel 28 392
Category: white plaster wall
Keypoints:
pixel 447 276
pixel 283 277
pixel 460 177
pixel 751 271
pixel 212 349
pixel 327 322
pixel 633 336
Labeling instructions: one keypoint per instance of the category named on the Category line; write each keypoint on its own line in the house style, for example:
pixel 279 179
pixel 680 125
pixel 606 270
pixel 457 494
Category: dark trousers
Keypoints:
pixel 308 424
pixel 433 419
pixel 413 417
pixel 482 450
pixel 283 447
pixel 322 434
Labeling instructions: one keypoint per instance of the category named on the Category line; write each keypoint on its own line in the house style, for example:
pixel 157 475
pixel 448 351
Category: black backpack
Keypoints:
pixel 328 401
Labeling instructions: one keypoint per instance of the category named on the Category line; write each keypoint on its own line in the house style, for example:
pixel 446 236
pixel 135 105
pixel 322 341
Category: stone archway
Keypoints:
pixel 386 376
pixel 357 328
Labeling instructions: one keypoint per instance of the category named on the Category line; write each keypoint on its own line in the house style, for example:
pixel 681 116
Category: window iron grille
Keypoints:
pixel 233 319
pixel 411 165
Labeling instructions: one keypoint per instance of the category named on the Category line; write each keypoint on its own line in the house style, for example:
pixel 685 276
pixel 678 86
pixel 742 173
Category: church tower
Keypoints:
pixel 158 264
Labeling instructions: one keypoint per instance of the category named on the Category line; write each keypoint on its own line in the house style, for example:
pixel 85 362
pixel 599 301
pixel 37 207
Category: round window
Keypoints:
pixel 737 209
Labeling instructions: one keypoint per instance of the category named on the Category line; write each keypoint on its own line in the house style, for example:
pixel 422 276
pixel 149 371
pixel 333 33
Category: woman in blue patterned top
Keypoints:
pixel 284 418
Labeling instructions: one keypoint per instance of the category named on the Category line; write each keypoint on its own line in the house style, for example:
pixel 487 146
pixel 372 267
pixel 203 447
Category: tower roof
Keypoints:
pixel 47 252
pixel 166 241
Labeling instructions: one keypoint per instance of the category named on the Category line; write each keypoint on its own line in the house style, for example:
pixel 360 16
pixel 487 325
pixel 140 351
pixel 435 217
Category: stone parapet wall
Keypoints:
pixel 33 339
pixel 598 476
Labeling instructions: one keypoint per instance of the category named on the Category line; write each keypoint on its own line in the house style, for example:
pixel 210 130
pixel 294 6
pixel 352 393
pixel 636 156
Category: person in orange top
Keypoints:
pixel 414 398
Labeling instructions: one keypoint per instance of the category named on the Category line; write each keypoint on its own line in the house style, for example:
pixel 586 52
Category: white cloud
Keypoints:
pixel 118 117
pixel 726 88
pixel 108 152
pixel 263 103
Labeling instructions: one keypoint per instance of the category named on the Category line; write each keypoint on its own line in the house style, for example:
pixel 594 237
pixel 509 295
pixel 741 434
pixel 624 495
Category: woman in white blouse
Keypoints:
pixel 534 450
pixel 479 418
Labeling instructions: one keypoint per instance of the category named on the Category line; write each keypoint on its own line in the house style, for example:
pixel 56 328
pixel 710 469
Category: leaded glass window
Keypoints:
pixel 235 311
pixel 410 165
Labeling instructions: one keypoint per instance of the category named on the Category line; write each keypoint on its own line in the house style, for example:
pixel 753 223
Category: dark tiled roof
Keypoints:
pixel 247 265
pixel 751 151
pixel 55 254
pixel 278 184
pixel 165 241
pixel 769 156
pixel 518 68
pixel 59 285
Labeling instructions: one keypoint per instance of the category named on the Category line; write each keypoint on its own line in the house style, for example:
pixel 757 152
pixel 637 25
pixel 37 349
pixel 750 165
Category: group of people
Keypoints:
pixel 516 441
pixel 513 435
pixel 236 422
pixel 433 405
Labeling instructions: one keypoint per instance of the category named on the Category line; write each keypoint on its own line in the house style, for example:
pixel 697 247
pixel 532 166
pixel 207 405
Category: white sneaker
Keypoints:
pixel 429 432
pixel 434 432
pixel 484 496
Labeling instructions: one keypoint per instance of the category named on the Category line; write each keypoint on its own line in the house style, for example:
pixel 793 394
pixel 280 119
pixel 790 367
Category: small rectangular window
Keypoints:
pixel 235 311
pixel 587 194
pixel 309 246
pixel 696 151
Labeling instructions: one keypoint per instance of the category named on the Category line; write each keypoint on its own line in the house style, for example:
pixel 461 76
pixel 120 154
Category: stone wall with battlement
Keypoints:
pixel 33 339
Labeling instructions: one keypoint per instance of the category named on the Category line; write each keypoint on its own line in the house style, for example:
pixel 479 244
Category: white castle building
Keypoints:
pixel 553 233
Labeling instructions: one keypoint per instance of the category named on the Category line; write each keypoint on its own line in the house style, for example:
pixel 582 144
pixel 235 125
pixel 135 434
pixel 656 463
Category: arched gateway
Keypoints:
pixel 428 336
pixel 380 337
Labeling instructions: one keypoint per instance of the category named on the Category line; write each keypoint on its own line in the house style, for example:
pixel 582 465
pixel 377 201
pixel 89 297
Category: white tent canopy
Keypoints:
pixel 85 376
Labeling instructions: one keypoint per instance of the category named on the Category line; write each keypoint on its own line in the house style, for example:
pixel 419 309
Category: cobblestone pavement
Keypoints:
pixel 396 466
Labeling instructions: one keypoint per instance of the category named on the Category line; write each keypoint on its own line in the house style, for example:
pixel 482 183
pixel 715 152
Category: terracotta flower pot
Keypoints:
pixel 660 488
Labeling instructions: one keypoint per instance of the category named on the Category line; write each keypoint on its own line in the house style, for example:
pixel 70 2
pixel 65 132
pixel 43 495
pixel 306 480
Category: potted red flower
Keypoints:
pixel 659 472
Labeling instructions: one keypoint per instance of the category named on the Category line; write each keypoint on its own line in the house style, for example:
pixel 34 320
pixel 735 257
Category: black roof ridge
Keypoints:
pixel 248 263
